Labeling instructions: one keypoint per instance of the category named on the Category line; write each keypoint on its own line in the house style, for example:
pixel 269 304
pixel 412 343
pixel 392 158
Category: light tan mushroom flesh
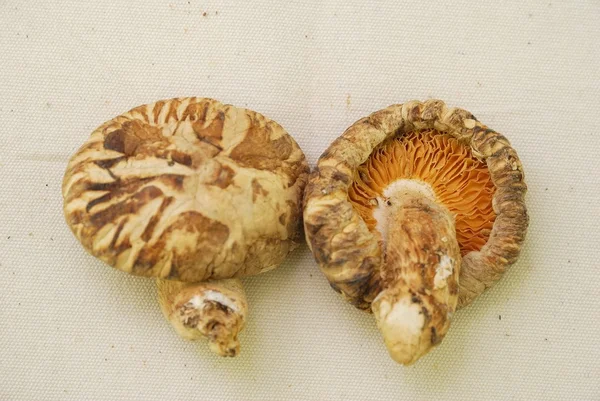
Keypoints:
pixel 194 193
pixel 413 212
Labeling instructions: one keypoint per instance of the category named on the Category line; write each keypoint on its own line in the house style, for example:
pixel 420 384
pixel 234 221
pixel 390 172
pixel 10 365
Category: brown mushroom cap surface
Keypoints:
pixel 187 189
pixel 338 219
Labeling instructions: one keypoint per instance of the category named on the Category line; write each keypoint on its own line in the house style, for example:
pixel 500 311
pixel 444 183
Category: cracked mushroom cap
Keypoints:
pixel 188 189
pixel 471 170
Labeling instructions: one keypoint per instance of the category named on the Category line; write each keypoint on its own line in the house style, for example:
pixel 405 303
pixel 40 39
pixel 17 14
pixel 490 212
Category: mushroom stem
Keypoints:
pixel 420 270
pixel 215 310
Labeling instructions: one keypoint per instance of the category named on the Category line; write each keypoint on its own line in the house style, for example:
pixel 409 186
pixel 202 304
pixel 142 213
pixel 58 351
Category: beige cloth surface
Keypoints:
pixel 74 329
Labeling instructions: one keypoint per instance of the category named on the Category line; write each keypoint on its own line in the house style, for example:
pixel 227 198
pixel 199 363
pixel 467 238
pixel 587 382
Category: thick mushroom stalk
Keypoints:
pixel 420 271
pixel 215 310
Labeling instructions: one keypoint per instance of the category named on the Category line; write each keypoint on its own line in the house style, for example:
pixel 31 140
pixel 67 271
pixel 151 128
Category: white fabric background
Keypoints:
pixel 74 329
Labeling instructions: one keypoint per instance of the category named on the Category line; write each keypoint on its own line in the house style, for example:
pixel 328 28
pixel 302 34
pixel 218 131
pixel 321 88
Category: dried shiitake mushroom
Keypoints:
pixel 413 212
pixel 195 193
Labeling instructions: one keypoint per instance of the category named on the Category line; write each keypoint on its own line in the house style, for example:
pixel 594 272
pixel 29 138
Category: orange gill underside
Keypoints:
pixel 460 181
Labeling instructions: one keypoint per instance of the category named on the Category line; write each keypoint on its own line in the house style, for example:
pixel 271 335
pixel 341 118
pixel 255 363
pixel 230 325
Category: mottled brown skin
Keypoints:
pixel 351 256
pixel 164 154
pixel 187 189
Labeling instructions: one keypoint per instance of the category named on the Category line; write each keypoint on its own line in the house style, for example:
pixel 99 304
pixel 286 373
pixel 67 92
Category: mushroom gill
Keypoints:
pixel 460 181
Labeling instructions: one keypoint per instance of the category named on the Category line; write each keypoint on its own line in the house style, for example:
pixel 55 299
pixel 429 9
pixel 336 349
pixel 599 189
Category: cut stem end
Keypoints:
pixel 213 310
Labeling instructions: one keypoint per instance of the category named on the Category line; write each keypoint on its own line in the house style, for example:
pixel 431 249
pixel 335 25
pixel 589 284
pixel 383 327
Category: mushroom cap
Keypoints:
pixel 188 189
pixel 342 234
